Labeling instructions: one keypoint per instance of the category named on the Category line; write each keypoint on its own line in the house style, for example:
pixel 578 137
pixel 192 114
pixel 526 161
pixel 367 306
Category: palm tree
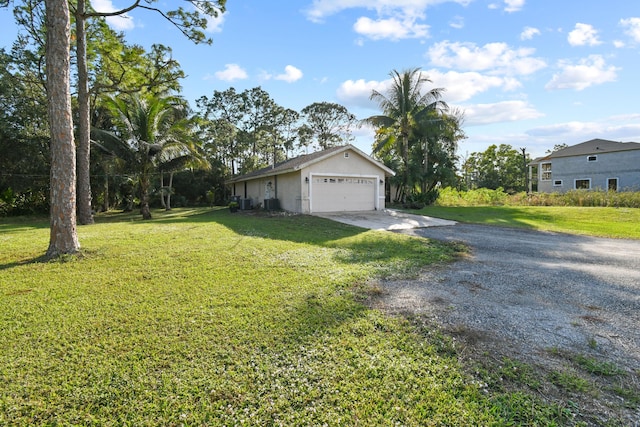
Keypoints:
pixel 404 109
pixel 150 133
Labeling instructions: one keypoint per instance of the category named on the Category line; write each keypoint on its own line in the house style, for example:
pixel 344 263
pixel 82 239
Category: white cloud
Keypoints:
pixel 290 75
pixel 528 33
pixel 118 23
pixel 500 112
pixel 587 72
pixel 457 22
pixel 464 86
pixel 617 128
pixel 632 26
pixel 583 34
pixel 395 19
pixel 357 92
pixel 509 5
pixel 513 5
pixel 391 28
pixel 497 57
pixel 231 72
pixel 214 23
pixel 320 9
pixel 458 87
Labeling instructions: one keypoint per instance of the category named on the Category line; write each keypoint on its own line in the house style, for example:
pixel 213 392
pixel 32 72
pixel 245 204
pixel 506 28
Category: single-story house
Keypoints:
pixel 595 164
pixel 336 179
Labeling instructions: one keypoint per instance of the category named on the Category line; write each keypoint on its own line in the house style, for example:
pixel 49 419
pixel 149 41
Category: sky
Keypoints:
pixel 528 73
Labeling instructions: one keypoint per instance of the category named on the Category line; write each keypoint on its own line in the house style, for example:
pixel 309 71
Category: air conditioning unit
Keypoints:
pixel 246 204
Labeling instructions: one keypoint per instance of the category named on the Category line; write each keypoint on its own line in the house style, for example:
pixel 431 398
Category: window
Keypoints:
pixel 592 158
pixel 546 171
pixel 346 155
pixel 557 183
pixel 583 184
pixel 612 184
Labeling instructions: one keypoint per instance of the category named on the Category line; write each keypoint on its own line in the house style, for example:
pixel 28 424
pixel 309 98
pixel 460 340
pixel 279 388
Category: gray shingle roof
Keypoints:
pixel 302 161
pixel 594 146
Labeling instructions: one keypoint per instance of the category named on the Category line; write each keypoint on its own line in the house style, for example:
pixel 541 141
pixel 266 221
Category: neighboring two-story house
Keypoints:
pixel 595 164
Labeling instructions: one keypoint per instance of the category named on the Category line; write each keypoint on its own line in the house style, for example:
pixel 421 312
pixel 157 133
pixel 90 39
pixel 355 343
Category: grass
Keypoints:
pixel 592 221
pixel 202 317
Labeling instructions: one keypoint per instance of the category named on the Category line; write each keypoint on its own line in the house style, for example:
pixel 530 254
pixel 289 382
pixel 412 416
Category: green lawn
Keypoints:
pixel 202 317
pixel 593 221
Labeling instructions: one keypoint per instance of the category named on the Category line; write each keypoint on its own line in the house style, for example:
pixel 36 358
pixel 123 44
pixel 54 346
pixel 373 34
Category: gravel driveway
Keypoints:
pixel 533 291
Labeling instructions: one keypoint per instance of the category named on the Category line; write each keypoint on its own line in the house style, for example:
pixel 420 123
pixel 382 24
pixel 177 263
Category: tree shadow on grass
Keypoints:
pixel 277 225
pixel 37 260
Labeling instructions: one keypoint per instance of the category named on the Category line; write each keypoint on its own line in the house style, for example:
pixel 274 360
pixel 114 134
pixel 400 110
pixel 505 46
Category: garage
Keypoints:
pixel 343 193
pixel 338 179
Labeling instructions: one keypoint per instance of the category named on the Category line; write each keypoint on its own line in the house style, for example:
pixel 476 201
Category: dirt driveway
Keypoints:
pixel 535 297
pixel 536 290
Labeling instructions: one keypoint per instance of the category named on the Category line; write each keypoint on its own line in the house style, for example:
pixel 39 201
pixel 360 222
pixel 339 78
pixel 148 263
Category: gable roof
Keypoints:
pixel 594 146
pixel 300 162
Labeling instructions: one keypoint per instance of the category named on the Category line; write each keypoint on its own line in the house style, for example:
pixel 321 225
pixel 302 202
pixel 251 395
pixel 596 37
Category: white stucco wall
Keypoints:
pixel 292 189
pixel 353 166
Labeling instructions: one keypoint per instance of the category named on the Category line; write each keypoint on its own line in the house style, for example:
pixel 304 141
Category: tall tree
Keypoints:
pixel 220 116
pixel 191 23
pixel 434 157
pixel 63 237
pixel 151 133
pixel 327 123
pixel 405 104
pixel 24 141
pixel 497 167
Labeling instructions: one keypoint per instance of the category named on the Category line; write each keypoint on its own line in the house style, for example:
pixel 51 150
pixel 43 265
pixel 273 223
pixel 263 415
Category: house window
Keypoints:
pixel 346 155
pixel 557 183
pixel 592 158
pixel 546 171
pixel 612 184
pixel 583 184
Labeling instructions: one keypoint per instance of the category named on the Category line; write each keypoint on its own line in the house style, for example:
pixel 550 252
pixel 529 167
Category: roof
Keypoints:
pixel 594 146
pixel 303 161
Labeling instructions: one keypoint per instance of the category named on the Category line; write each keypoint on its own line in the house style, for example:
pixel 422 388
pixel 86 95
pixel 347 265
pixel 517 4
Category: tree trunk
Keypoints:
pixel 85 215
pixel 162 202
pixel 105 204
pixel 425 170
pixel 63 232
pixel 405 175
pixel 168 207
pixel 144 198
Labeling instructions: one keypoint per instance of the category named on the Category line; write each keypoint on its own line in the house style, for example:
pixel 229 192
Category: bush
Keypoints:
pixel 485 197
pixel 479 197
pixel 598 198
pixel 24 203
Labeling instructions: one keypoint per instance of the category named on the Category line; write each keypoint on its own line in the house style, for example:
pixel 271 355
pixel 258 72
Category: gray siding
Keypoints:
pixel 621 165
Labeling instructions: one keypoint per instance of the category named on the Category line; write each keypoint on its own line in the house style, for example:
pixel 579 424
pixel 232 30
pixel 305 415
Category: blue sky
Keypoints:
pixel 529 73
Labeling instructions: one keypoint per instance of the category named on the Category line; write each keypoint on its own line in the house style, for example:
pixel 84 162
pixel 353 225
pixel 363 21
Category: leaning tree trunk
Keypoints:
pixel 63 232
pixel 85 215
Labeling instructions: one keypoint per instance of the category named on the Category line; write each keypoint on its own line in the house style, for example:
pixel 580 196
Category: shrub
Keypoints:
pixel 478 197
pixel 486 197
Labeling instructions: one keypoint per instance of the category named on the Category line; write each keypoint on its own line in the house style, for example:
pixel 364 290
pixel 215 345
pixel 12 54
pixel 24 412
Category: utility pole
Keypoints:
pixel 525 169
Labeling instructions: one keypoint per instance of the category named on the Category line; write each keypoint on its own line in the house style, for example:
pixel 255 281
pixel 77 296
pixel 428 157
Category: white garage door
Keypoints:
pixel 336 193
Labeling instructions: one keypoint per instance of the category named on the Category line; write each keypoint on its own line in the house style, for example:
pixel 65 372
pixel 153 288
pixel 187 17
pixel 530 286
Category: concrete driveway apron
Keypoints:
pixel 387 219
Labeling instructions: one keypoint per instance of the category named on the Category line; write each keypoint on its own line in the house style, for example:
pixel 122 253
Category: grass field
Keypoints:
pixel 593 221
pixel 202 317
